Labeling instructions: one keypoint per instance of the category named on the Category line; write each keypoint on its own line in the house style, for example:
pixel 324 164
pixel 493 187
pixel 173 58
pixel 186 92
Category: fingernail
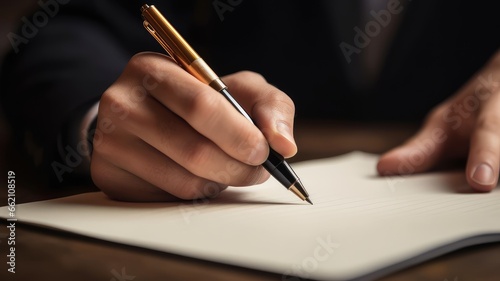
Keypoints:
pixel 483 174
pixel 285 130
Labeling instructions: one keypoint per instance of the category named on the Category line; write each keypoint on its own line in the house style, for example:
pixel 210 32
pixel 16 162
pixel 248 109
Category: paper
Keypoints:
pixel 360 226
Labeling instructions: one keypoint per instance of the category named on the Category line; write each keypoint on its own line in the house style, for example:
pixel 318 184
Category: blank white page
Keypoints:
pixel 360 226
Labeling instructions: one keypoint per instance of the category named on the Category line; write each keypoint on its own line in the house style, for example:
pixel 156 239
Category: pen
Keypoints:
pixel 180 51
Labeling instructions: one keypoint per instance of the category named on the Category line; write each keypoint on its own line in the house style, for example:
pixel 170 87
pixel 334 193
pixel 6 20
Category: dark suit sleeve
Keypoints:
pixel 51 82
pixel 61 72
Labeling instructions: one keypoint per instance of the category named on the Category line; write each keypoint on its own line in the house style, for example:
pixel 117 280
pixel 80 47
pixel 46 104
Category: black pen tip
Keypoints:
pixel 300 191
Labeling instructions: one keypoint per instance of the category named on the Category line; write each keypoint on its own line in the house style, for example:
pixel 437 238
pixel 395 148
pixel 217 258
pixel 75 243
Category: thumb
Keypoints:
pixel 275 120
pixel 271 109
pixel 420 153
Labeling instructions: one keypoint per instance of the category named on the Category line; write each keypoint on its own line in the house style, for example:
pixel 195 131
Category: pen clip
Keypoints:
pixel 177 48
pixel 153 33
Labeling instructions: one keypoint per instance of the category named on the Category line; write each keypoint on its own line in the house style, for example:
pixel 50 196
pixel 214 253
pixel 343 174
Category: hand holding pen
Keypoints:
pixel 187 58
pixel 162 134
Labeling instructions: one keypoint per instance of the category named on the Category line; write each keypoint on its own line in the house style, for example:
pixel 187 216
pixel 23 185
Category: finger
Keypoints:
pixel 156 168
pixel 167 176
pixel 119 184
pixel 421 152
pixel 271 109
pixel 173 137
pixel 436 140
pixel 206 110
pixel 484 154
pixel 136 157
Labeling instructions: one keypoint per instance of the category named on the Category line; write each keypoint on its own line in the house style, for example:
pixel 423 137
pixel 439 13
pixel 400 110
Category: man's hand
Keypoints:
pixel 162 134
pixel 466 125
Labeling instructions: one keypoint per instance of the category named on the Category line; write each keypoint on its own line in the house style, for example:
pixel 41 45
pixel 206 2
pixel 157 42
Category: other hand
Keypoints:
pixel 467 125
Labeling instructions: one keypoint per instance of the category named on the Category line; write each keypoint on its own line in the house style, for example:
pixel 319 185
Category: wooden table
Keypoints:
pixel 52 255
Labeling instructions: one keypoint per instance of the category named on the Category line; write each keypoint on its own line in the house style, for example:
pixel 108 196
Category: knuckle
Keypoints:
pixel 488 154
pixel 489 122
pixel 275 100
pixel 204 106
pixel 437 114
pixel 285 99
pixel 250 76
pixel 139 62
pixel 282 101
pixel 197 154
pixel 107 98
pixel 118 110
pixel 151 66
pixel 112 103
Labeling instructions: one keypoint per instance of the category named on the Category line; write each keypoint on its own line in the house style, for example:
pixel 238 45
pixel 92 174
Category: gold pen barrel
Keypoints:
pixel 178 48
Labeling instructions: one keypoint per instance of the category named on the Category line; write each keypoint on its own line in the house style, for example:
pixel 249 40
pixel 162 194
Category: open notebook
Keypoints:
pixel 361 226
